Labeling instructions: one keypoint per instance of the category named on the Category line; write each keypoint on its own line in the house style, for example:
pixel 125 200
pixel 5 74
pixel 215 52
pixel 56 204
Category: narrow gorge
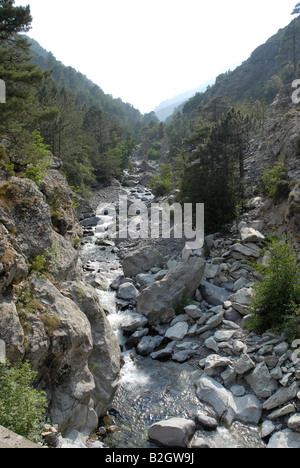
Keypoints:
pixel 117 329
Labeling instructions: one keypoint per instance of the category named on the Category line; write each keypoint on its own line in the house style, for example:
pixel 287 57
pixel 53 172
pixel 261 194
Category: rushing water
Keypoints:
pixel 149 390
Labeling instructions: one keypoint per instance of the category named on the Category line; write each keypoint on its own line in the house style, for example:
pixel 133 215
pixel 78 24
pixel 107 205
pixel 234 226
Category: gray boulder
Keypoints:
pixel 141 261
pixel 133 322
pixel 282 396
pixel 284 439
pixel 251 235
pixel 261 381
pixel 159 300
pixel 229 408
pixel 174 432
pixel 178 331
pixel 127 291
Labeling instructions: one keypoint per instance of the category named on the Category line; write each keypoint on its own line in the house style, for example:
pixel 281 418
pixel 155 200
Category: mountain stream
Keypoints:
pixel 149 390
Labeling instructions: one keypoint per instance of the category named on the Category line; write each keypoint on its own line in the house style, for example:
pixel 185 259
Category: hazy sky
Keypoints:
pixel 146 51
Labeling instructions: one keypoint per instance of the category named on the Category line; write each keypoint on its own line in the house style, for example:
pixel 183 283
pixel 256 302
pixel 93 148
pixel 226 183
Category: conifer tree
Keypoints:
pixel 13 19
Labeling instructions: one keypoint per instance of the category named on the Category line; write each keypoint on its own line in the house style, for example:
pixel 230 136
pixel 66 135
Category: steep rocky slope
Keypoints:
pixel 278 135
pixel 49 315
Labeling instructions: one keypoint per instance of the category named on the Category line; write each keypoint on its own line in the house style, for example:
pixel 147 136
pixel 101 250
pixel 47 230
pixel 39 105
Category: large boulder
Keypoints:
pixel 159 300
pixel 229 408
pixel 249 234
pixel 141 261
pixel 174 432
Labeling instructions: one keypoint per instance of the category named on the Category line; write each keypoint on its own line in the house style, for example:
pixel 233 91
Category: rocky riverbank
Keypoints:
pixel 192 305
pixel 49 315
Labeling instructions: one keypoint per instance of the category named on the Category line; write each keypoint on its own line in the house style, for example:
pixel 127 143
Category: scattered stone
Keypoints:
pixel 288 409
pixel 267 428
pixel 148 344
pixel 284 439
pixel 243 364
pixel 224 335
pixel 282 396
pixel 294 422
pixel 241 300
pixel 203 421
pixel 183 356
pixel 164 353
pixel 213 294
pixel 211 343
pixel 136 337
pixel 215 363
pixel 261 381
pixel 246 409
pixel 251 235
pixel 193 311
pixel 238 390
pixel 245 251
pixel 127 291
pixel 132 322
pixel 141 261
pixel 178 331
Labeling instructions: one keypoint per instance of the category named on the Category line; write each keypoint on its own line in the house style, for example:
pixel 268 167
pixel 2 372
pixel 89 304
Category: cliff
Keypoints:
pixel 49 315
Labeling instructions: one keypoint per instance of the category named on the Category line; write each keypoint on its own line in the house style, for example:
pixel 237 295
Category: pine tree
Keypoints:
pixel 13 19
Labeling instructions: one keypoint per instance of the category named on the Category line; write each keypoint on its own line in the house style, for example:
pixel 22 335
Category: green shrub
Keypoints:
pixel 153 154
pixel 276 297
pixel 21 406
pixel 275 181
pixel 42 264
pixel 161 184
pixel 39 159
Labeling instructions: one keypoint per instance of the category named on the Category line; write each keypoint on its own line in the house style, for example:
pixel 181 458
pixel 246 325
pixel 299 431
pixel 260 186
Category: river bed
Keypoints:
pixel 149 390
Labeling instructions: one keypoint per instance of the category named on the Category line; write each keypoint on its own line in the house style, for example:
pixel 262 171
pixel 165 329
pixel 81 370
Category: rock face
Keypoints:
pixel 48 314
pixel 158 301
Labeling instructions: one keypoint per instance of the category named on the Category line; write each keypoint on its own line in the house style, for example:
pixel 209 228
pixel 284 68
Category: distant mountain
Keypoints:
pixel 88 92
pixel 166 108
pixel 268 68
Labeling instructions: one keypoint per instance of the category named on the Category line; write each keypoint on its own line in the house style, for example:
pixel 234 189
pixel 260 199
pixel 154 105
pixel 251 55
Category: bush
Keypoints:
pixel 153 154
pixel 275 181
pixel 21 406
pixel 162 183
pixel 276 297
pixel 39 159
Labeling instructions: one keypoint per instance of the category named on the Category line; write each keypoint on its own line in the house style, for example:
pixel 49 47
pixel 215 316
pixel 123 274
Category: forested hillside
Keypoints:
pixel 262 75
pixel 58 111
pixel 209 140
pixel 87 91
